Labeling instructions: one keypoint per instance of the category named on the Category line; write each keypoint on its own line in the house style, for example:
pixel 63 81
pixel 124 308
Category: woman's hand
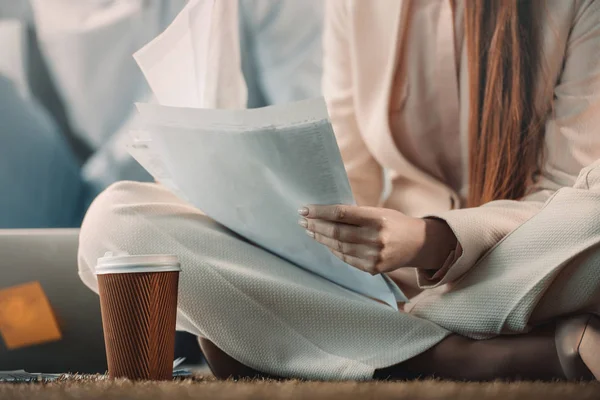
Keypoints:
pixel 378 240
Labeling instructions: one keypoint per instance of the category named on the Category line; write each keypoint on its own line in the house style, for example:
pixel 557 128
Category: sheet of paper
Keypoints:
pixel 140 148
pixel 251 170
pixel 196 61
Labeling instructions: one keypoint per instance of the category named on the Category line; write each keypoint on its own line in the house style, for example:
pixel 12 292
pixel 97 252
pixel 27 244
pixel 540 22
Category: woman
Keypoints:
pixel 487 104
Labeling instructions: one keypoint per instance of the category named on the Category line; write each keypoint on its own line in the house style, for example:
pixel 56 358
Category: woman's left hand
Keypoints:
pixel 378 240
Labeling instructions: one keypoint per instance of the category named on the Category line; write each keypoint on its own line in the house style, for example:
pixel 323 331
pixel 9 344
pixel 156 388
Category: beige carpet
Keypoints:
pixel 201 388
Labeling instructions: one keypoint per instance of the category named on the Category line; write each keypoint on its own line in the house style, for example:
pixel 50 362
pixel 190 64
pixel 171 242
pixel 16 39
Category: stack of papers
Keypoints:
pixel 250 170
pixel 19 376
pixel 22 376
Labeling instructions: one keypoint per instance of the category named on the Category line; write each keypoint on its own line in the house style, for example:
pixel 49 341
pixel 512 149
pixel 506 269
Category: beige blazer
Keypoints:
pixel 364 44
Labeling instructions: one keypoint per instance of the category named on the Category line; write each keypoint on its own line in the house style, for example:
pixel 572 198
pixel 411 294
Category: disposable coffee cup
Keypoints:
pixel 138 300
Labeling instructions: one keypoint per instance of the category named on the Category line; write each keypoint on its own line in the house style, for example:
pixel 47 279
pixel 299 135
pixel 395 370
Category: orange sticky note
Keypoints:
pixel 26 317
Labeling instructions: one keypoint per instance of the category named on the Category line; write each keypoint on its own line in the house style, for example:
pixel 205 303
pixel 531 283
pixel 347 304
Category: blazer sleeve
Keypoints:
pixel 573 143
pixel 364 172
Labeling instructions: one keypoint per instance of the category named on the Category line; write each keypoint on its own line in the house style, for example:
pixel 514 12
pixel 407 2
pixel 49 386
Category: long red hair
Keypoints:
pixel 505 129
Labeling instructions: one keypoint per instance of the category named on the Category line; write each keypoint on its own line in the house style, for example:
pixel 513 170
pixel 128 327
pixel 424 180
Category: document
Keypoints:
pixel 250 170
pixel 196 61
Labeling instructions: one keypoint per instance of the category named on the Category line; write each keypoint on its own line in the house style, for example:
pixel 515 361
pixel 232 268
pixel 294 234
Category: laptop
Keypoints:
pixel 49 256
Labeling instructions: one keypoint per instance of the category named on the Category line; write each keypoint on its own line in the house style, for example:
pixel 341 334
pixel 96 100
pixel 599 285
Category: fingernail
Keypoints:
pixel 303 222
pixel 310 233
pixel 303 211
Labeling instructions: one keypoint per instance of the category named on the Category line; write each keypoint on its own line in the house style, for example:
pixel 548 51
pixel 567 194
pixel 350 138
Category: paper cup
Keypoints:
pixel 138 300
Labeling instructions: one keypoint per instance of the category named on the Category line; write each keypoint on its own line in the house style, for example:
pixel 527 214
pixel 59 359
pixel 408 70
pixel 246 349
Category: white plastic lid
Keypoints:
pixel 123 263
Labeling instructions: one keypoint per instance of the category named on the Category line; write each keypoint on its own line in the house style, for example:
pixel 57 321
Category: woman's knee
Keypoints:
pixel 114 218
pixel 141 218
pixel 109 206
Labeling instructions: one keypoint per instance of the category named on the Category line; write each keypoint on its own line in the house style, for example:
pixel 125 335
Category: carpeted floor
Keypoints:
pixel 201 388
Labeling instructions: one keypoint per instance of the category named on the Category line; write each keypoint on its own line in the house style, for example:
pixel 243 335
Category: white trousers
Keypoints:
pixel 277 318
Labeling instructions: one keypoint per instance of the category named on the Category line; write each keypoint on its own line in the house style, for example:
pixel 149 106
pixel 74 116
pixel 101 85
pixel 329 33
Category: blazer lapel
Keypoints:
pixel 379 51
pixel 384 44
